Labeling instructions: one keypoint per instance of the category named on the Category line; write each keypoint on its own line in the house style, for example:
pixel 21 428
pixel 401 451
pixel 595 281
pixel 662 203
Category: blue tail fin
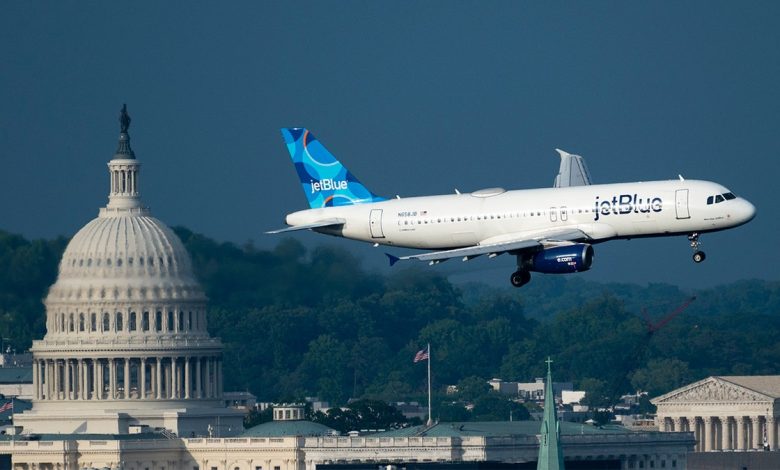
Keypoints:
pixel 325 180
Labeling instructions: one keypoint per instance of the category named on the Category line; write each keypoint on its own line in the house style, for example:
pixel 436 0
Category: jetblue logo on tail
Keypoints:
pixel 326 182
pixel 328 185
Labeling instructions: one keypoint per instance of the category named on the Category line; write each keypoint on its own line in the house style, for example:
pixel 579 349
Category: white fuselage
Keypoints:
pixel 603 212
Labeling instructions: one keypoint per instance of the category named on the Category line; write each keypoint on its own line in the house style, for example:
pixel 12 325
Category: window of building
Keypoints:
pixel 93 322
pixel 119 321
pixel 81 322
pixel 158 321
pixel 106 321
pixel 132 321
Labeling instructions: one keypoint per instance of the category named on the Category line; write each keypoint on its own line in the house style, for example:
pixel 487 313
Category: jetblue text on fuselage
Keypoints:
pixel 327 185
pixel 626 204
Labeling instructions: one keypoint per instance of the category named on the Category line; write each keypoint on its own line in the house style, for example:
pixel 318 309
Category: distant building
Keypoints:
pixel 11 359
pixel 240 400
pixel 530 391
pixel 16 382
pixel 412 410
pixel 126 340
pixel 730 417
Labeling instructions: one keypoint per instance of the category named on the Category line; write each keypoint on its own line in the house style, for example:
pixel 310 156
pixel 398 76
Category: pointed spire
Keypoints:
pixel 123 150
pixel 550 451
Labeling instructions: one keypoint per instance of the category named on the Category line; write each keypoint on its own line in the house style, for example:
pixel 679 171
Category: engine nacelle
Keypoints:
pixel 563 259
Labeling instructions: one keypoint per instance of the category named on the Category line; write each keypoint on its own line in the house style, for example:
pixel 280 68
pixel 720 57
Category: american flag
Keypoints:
pixel 422 355
pixel 7 406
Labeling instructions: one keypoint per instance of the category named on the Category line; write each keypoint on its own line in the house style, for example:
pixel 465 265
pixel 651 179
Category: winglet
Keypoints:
pixel 392 259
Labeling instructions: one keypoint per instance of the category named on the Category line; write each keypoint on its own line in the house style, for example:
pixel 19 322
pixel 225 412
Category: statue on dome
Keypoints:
pixel 124 119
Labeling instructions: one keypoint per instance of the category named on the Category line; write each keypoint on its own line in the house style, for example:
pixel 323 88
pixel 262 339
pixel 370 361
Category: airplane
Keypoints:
pixel 548 230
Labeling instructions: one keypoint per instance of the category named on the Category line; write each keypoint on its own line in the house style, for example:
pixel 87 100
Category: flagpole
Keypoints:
pixel 430 421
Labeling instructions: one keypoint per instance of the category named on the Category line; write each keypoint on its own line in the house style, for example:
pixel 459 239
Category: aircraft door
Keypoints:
pixel 375 223
pixel 681 204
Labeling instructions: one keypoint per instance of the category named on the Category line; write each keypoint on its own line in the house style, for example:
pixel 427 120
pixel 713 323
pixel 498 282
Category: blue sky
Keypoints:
pixel 414 97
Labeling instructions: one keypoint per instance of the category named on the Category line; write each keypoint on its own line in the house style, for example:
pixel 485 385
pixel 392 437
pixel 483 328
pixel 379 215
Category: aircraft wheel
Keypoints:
pixel 699 256
pixel 520 278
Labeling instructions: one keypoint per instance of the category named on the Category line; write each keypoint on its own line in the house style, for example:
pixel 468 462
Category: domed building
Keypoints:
pixel 126 342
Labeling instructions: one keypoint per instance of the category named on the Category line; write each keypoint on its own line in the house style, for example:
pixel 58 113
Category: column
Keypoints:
pixel 707 434
pixel 142 379
pixel 174 392
pixel 677 423
pixel 158 375
pixel 208 377
pixel 127 378
pixel 218 378
pixel 771 432
pixel 187 379
pixel 694 426
pixel 113 371
pixel 740 444
pixel 66 373
pixel 198 382
pixel 725 433
pixel 757 434
pixel 82 382
pixel 57 379
pixel 36 381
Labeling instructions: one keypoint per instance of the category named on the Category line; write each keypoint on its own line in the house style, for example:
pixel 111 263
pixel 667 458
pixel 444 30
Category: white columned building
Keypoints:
pixel 126 340
pixel 725 413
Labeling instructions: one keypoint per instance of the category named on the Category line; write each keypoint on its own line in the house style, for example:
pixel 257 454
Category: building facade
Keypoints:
pixel 728 413
pixel 126 342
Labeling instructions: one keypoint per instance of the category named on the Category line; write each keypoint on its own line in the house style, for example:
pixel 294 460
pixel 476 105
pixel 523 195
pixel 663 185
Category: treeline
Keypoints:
pixel 302 322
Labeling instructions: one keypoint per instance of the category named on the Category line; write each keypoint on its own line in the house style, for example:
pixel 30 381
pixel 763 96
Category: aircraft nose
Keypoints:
pixel 746 212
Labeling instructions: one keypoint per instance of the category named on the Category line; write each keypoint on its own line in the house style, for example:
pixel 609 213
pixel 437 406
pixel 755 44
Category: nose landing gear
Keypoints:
pixel 698 255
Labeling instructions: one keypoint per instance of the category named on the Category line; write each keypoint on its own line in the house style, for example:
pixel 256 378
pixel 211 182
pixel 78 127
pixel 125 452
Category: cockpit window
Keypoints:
pixel 720 198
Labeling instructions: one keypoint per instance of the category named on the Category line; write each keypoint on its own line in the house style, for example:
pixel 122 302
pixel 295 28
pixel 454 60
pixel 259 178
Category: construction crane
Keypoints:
pixel 653 326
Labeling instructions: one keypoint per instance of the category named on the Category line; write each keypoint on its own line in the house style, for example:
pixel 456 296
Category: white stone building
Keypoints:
pixel 725 413
pixel 126 341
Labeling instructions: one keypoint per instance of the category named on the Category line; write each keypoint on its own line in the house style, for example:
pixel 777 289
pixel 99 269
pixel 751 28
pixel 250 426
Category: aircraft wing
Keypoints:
pixel 572 172
pixel 334 222
pixel 521 242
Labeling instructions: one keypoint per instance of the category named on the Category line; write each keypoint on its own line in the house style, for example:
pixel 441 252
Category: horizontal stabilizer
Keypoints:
pixel 319 224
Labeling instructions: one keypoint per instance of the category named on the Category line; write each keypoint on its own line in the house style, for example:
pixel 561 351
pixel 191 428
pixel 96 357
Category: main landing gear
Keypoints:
pixel 698 255
pixel 520 278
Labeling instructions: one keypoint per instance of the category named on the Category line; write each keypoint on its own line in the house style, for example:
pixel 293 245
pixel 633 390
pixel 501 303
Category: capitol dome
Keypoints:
pixel 125 256
pixel 126 330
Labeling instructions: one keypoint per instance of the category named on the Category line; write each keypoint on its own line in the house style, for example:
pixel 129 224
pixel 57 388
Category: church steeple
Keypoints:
pixel 550 452
pixel 123 170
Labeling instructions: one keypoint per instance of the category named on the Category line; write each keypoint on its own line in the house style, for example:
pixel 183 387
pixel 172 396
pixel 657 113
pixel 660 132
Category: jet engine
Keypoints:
pixel 562 259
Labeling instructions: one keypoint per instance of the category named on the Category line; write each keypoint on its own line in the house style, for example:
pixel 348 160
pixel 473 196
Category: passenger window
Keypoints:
pixel 709 200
